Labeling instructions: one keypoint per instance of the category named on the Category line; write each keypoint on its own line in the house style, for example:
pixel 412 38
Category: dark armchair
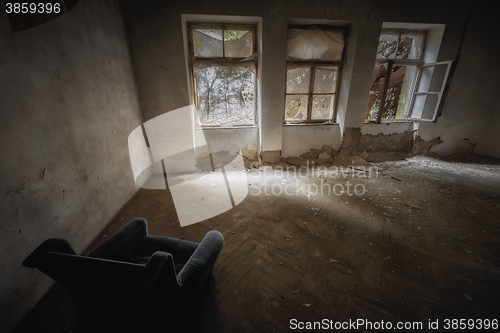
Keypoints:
pixel 133 282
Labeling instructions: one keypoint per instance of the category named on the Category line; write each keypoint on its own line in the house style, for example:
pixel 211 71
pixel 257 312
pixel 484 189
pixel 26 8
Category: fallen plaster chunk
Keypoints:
pixel 468 298
pixel 323 156
pixel 334 261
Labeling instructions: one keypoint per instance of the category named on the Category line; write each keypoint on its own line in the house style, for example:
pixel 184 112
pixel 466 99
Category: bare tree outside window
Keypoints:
pixel 223 69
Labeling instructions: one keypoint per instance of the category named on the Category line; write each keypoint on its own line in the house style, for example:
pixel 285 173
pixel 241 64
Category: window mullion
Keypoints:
pixel 397 45
pixel 223 41
pixel 311 94
pixel 384 92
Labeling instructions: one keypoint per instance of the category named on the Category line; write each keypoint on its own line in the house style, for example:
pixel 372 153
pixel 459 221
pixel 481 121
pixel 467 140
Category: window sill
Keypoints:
pixel 224 127
pixel 310 124
pixel 402 121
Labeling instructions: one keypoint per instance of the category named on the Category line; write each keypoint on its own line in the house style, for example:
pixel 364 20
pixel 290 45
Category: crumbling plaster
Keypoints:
pixel 68 102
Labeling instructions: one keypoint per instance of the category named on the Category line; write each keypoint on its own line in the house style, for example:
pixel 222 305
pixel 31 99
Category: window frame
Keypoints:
pixel 220 61
pixel 438 93
pixel 312 65
pixel 417 63
pixel 413 90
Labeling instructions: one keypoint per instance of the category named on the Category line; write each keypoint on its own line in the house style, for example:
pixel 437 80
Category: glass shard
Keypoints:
pixel 207 43
pixel 387 45
pixel 411 46
pixel 238 43
pixel 296 107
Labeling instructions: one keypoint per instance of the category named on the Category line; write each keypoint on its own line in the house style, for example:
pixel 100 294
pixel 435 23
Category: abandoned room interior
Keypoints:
pixel 346 151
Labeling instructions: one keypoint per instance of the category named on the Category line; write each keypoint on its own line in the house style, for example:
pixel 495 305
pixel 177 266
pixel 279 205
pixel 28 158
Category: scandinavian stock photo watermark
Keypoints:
pixel 321 180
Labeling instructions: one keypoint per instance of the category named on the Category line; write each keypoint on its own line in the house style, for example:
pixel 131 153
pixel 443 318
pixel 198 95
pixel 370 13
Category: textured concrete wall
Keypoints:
pixel 67 105
pixel 474 90
pixel 489 144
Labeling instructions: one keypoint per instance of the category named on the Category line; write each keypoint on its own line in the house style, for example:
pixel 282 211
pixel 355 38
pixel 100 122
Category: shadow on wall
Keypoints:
pixel 163 153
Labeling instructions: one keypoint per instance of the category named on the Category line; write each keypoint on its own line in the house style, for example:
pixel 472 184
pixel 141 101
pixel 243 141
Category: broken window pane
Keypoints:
pixel 207 42
pixel 387 45
pixel 325 80
pixel 406 46
pixel 311 85
pixel 225 95
pixel 238 43
pixel 410 90
pixel 297 80
pixel 296 107
pixel 322 107
pixel 411 46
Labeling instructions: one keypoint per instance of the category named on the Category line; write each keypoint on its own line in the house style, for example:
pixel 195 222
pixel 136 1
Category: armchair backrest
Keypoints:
pixel 119 245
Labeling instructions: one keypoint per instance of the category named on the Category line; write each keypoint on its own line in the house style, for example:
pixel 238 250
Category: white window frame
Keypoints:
pixel 220 61
pixel 427 92
pixel 414 91
pixel 313 64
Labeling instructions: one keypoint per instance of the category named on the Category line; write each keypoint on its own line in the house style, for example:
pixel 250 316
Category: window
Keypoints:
pixel 314 60
pixel 223 74
pixel 403 88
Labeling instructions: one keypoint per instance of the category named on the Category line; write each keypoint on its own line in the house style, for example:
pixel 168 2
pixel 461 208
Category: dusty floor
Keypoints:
pixel 408 241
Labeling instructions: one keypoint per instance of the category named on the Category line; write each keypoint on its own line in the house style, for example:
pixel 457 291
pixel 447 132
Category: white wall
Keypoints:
pixel 301 139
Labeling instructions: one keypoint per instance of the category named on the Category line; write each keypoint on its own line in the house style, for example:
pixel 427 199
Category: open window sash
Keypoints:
pixel 428 91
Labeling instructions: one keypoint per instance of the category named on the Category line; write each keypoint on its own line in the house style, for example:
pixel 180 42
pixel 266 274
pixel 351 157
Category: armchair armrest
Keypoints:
pixel 50 245
pixel 201 262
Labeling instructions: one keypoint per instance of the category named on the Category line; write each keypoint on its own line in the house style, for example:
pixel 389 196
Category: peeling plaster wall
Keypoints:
pixel 67 105
pixel 386 129
pixel 395 142
pixel 298 140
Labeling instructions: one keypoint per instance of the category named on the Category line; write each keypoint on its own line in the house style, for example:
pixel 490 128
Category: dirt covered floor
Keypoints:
pixel 406 241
